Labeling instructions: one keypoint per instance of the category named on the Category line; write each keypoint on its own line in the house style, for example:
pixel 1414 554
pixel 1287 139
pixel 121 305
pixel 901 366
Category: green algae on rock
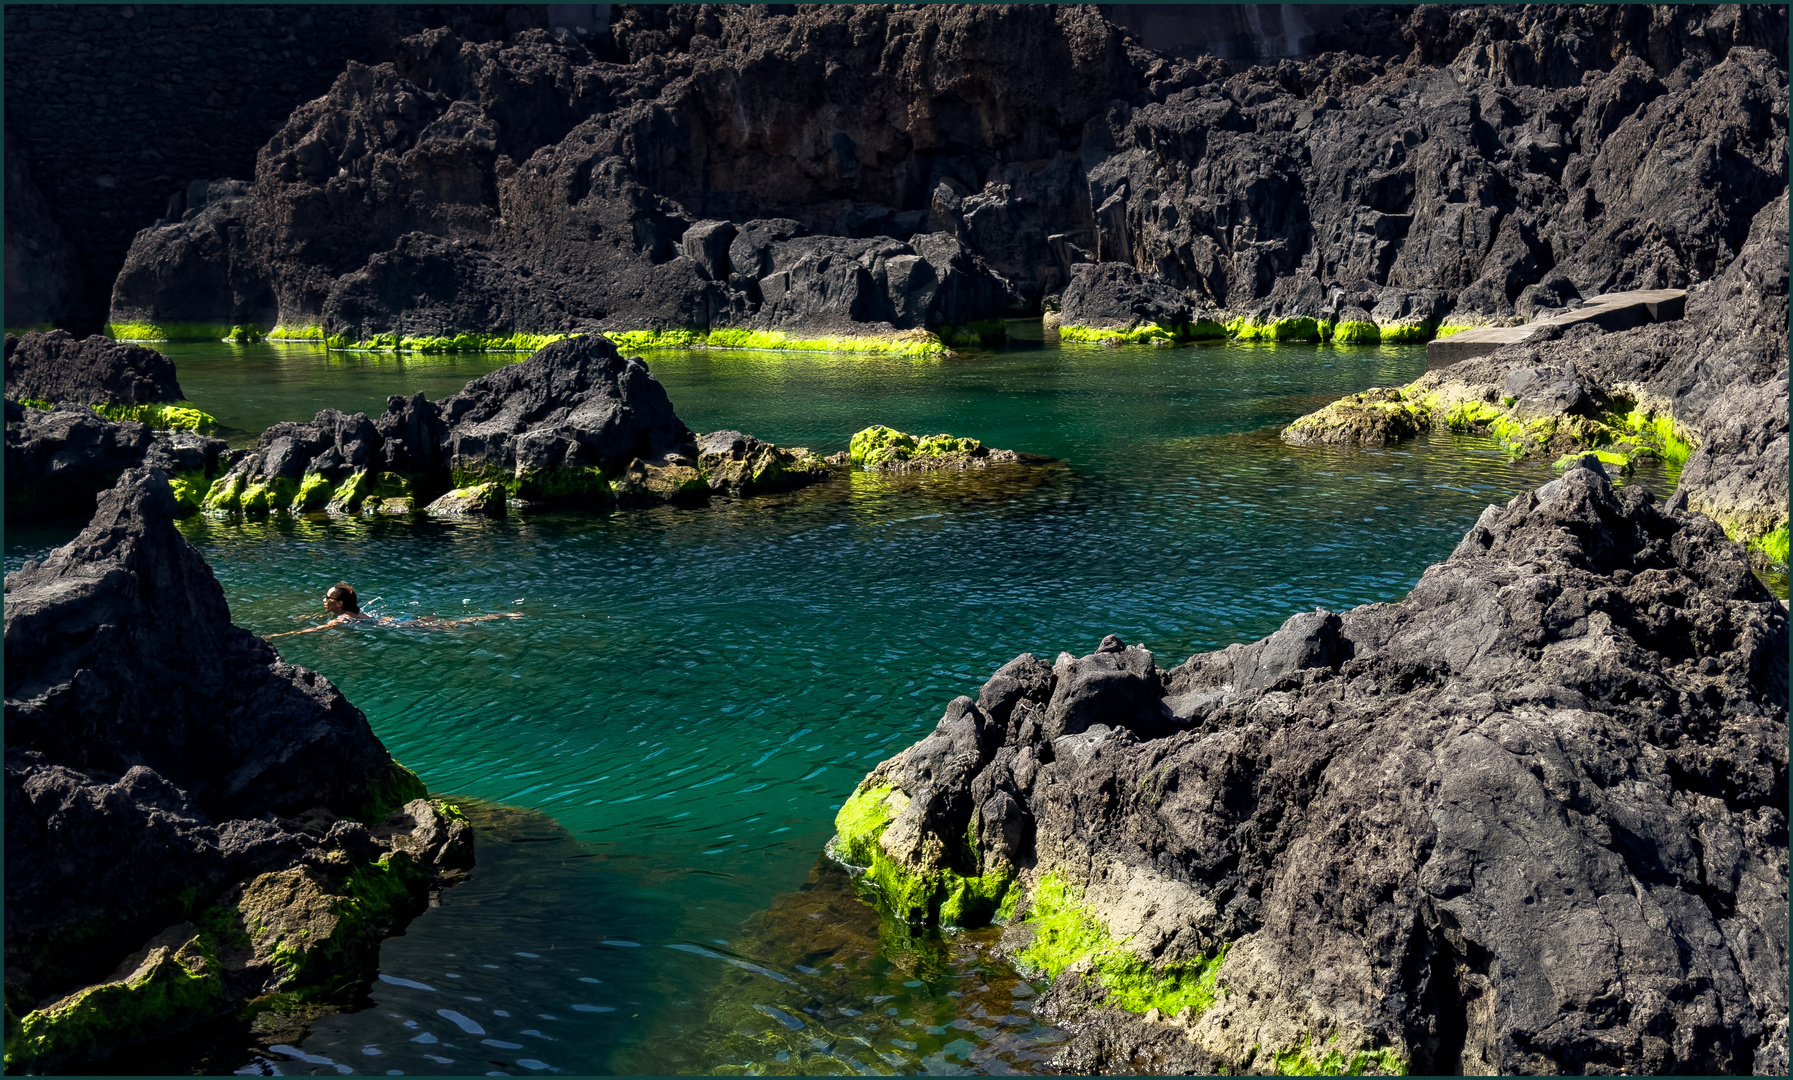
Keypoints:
pixel 1067 933
pixel 1331 1059
pixel 897 343
pixel 884 449
pixel 182 331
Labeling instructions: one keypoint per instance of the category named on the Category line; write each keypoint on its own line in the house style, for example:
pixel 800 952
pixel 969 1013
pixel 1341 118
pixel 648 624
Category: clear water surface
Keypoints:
pixel 693 692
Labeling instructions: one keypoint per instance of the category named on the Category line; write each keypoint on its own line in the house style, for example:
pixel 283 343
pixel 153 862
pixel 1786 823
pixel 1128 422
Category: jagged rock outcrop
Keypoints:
pixel 1707 392
pixel 58 460
pixel 169 779
pixel 56 367
pixel 1530 819
pixel 577 423
pixel 532 187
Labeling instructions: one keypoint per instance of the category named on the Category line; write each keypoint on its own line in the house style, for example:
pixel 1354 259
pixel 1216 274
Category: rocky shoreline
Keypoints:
pixel 194 828
pixel 575 425
pixel 1706 394
pixel 1530 819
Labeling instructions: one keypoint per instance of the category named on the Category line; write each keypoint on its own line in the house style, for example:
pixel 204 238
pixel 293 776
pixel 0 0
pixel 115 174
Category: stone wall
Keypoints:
pixel 118 107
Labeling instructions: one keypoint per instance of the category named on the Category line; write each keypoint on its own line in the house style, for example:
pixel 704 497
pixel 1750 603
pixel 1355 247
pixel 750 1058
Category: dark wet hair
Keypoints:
pixel 344 592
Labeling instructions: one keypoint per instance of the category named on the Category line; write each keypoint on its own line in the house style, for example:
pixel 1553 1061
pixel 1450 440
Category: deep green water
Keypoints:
pixel 693 692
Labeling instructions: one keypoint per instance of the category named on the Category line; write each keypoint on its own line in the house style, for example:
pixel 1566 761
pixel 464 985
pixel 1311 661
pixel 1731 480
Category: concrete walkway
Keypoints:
pixel 1611 312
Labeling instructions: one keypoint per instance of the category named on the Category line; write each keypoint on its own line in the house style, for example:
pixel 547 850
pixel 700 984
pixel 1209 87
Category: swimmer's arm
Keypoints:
pixel 307 630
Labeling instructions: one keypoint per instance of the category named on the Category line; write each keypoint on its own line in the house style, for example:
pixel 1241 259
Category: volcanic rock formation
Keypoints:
pixel 1708 392
pixel 577 423
pixel 1530 819
pixel 79 413
pixel 532 186
pixel 55 367
pixel 184 811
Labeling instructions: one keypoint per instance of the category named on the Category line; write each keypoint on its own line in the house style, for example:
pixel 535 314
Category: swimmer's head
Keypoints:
pixel 341 598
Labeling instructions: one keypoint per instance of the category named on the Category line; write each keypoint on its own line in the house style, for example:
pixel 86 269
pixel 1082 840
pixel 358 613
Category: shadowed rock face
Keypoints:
pixel 532 186
pixel 155 755
pixel 1530 819
pixel 120 652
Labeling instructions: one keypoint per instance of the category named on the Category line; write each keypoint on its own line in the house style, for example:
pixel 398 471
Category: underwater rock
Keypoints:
pixel 157 754
pixel 55 367
pixel 1554 776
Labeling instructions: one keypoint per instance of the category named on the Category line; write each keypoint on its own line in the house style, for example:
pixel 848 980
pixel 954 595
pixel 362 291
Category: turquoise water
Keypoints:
pixel 693 692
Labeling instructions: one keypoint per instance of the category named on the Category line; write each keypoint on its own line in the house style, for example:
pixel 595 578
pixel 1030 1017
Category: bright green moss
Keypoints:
pixel 266 496
pixel 160 416
pixel 903 343
pixel 1404 333
pixel 1660 433
pixel 1299 328
pixel 351 493
pixel 877 442
pixel 190 490
pixel 1355 333
pixel 225 494
pixel 1066 932
pixel 1139 335
pixel 457 343
pixel 315 492
pixel 1773 546
pixel 179 987
pixel 940 896
pixel 1307 1060
pixel 632 340
pixel 874 446
pixel 1452 328
pixel 1470 416
pixel 297 333
pixel 181 331
pixel 37 403
pixel 1610 458
pixel 862 820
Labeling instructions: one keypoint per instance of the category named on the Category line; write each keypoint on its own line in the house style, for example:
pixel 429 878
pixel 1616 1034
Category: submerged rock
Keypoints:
pixel 1530 819
pixel 170 780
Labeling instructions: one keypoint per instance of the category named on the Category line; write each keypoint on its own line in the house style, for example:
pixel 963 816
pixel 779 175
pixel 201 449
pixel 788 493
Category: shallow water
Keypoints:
pixel 693 692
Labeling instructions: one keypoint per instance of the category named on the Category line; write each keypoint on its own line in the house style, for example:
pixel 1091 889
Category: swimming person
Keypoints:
pixel 344 607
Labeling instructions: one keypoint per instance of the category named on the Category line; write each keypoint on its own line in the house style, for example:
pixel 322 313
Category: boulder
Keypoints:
pixel 737 464
pixel 169 779
pixel 1554 776
pixel 55 367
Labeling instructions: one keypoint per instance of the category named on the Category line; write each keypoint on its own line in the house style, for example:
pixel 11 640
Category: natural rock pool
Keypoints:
pixel 693 692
